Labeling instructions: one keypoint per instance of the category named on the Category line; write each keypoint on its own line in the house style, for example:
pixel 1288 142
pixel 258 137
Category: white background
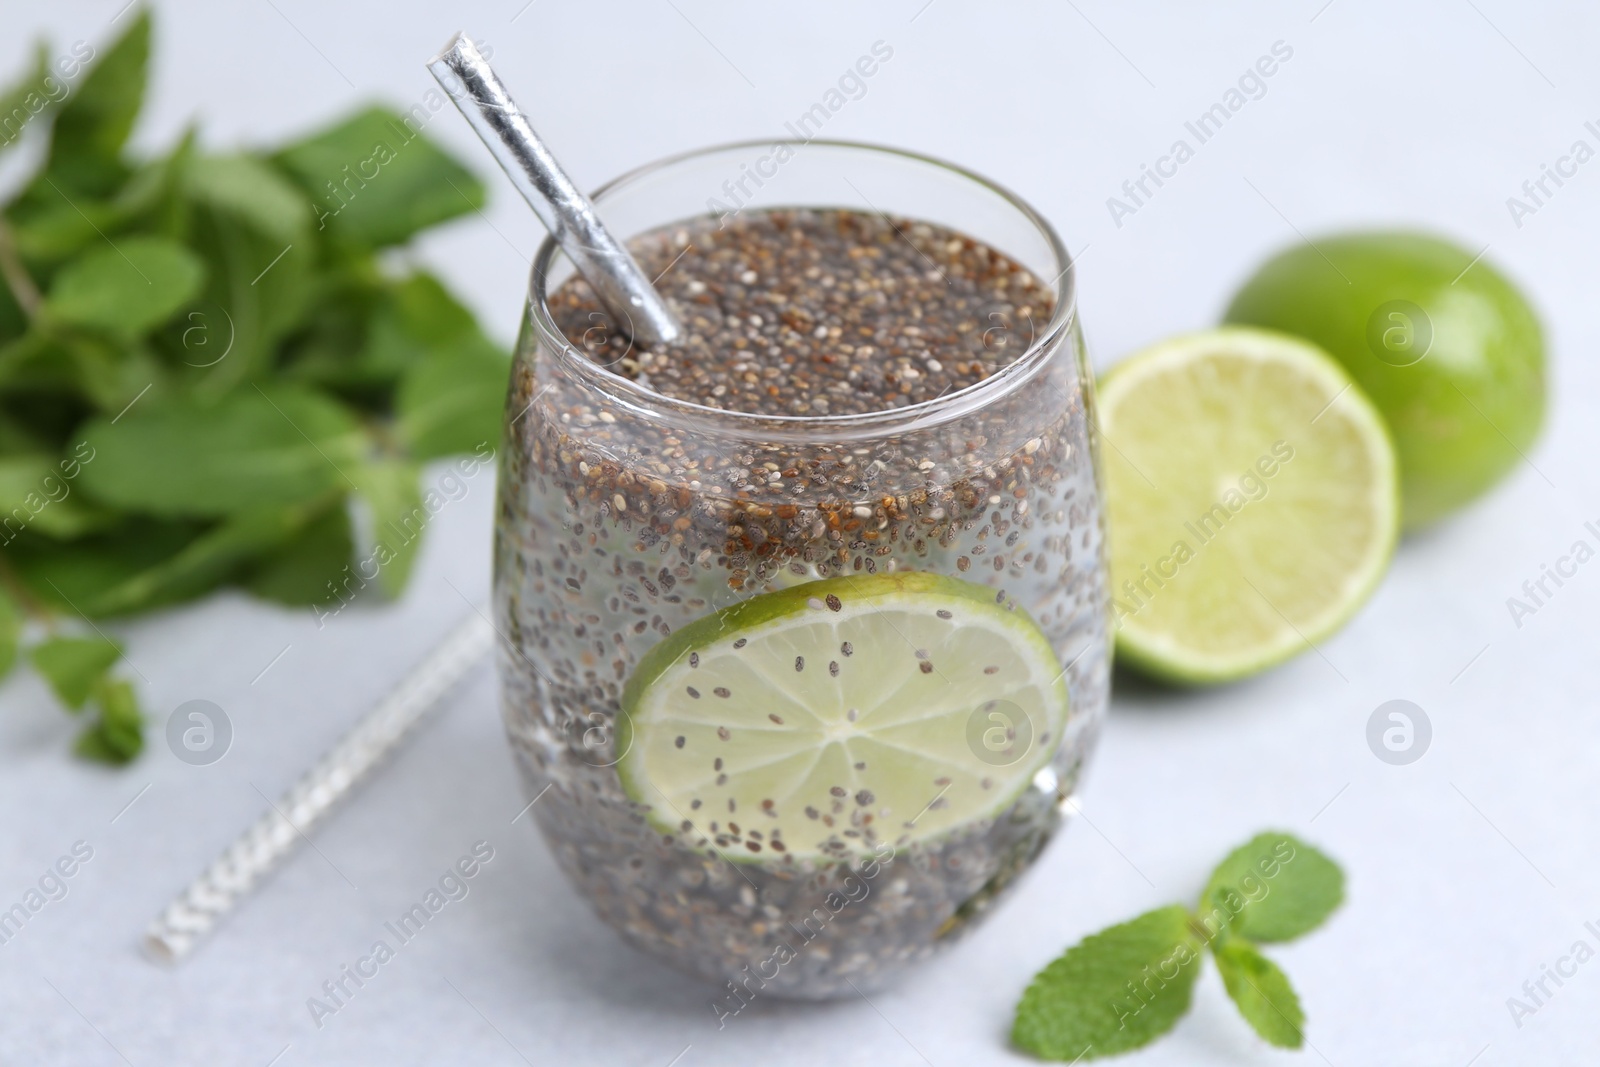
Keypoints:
pixel 1467 870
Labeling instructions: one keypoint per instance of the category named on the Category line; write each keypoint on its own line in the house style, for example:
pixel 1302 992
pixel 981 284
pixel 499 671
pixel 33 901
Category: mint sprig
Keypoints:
pixel 214 369
pixel 1125 986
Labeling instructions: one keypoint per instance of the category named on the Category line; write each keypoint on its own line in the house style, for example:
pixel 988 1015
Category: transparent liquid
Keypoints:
pixel 584 587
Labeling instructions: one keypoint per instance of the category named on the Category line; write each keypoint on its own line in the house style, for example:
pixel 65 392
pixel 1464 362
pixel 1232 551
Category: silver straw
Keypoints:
pixel 569 215
pixel 193 913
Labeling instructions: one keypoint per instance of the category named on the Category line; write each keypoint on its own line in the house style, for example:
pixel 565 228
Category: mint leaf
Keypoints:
pixel 74 665
pixel 94 123
pixel 430 313
pixel 126 289
pixel 21 103
pixel 109 373
pixel 1272 888
pixel 13 320
pixel 369 338
pixel 453 401
pixel 1116 990
pixel 15 437
pixel 256 294
pixel 311 567
pixel 392 492
pixel 330 350
pixel 10 633
pixel 389 351
pixel 117 735
pixel 150 196
pixel 417 318
pixel 252 449
pixel 35 494
pixel 375 180
pixel 69 575
pixel 1262 992
pixel 49 228
pixel 363 348
pixel 207 561
pixel 253 192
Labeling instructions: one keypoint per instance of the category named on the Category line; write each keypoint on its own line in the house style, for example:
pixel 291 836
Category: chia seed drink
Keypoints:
pixel 805 617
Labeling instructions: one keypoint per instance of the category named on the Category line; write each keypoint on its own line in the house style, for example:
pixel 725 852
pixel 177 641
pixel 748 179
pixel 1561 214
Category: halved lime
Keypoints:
pixel 841 716
pixel 1253 501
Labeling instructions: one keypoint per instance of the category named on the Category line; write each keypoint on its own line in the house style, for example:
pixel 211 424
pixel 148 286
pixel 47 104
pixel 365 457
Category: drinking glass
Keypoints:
pixel 613 534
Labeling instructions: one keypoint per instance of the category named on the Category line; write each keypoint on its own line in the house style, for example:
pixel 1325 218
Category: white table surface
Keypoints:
pixel 1468 870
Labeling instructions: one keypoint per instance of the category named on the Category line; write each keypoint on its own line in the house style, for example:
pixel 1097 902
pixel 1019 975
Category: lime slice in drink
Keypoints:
pixel 1253 501
pixel 841 716
pixel 1440 340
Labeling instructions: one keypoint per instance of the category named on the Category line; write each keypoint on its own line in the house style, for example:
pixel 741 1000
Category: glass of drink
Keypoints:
pixel 805 618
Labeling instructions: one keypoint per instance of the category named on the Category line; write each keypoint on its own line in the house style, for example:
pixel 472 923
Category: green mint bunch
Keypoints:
pixel 1125 986
pixel 215 369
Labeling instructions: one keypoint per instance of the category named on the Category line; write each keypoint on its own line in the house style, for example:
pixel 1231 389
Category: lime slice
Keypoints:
pixel 1253 496
pixel 840 716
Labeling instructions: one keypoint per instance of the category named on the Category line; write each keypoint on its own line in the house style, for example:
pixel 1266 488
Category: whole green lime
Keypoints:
pixel 1445 346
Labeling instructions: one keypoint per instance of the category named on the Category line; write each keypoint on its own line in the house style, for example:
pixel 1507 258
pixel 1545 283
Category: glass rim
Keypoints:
pixel 646 402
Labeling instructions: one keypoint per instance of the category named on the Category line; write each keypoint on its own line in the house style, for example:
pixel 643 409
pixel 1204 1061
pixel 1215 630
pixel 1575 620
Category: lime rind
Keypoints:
pixel 1170 656
pixel 926 651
